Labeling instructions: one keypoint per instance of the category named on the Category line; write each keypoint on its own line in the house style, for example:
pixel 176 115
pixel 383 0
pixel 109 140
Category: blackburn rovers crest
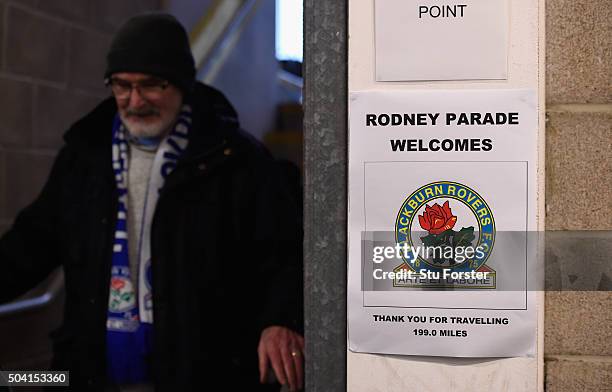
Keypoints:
pixel 450 231
pixel 122 296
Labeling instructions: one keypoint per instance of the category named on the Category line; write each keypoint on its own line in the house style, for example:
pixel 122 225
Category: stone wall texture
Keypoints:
pixel 578 326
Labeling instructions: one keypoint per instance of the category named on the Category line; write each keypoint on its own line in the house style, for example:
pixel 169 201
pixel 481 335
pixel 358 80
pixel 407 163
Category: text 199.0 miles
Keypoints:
pixel 457 333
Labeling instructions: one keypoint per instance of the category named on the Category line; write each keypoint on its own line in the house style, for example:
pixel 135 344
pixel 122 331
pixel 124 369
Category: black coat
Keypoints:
pixel 226 251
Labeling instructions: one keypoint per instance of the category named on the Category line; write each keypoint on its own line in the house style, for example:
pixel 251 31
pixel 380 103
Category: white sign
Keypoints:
pixel 433 40
pixel 452 172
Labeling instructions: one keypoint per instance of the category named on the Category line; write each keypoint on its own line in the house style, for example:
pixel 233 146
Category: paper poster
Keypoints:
pixel 442 222
pixel 430 40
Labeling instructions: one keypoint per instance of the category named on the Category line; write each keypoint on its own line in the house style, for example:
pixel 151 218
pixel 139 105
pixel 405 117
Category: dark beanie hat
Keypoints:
pixel 156 44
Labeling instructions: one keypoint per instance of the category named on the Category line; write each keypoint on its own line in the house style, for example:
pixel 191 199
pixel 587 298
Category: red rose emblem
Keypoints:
pixel 117 284
pixel 437 219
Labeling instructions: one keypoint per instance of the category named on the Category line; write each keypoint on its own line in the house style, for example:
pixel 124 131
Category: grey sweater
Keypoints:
pixel 139 172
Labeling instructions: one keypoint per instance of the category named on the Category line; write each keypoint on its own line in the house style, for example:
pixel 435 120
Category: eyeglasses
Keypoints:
pixel 151 88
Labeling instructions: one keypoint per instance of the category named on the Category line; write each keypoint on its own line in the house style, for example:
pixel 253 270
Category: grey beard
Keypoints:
pixel 156 129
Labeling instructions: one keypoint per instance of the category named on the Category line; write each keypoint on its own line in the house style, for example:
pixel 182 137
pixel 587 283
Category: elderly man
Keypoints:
pixel 179 239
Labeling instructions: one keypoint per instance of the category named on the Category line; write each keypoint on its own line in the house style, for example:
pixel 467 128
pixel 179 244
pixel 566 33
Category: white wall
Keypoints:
pixel 367 372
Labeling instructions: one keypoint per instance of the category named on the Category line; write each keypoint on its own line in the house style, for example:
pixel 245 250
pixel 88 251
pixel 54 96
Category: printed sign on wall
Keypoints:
pixel 433 40
pixel 442 222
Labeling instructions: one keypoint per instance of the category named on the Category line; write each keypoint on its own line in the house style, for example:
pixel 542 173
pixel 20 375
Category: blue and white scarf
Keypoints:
pixel 129 323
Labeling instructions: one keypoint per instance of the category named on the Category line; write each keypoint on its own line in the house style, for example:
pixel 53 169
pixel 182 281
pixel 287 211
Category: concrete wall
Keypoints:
pixel 578 328
pixel 189 13
pixel 52 56
pixel 249 76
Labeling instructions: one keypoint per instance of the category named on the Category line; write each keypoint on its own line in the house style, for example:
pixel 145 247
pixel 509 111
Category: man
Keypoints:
pixel 179 239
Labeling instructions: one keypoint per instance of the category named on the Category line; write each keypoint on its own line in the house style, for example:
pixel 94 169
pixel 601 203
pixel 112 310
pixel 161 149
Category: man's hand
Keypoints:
pixel 283 349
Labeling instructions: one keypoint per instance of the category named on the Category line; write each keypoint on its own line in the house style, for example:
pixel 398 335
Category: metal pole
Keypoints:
pixel 325 193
